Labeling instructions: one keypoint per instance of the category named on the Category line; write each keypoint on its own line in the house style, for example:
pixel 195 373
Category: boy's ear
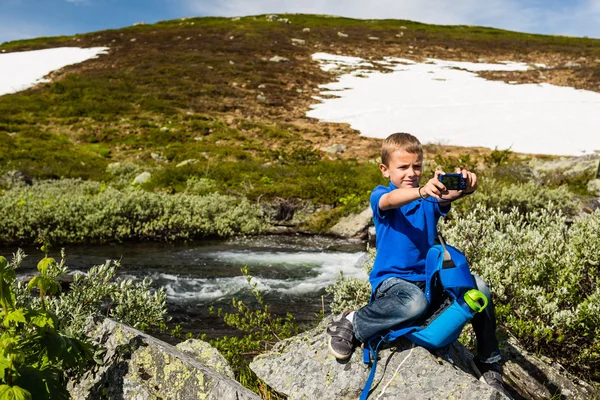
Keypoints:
pixel 384 170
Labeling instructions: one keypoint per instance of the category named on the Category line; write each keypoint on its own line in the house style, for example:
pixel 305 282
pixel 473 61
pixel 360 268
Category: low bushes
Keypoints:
pixel 72 211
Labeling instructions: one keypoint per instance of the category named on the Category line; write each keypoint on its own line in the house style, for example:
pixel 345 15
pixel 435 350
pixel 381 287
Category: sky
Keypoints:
pixel 21 19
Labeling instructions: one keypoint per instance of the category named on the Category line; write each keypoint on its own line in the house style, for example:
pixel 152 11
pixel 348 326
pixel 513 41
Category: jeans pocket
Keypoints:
pixel 387 285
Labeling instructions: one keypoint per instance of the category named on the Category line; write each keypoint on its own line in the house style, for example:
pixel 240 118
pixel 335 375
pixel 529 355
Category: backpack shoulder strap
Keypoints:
pixel 369 351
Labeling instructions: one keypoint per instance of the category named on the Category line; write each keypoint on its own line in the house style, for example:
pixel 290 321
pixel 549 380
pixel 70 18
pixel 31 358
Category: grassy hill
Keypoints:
pixel 204 89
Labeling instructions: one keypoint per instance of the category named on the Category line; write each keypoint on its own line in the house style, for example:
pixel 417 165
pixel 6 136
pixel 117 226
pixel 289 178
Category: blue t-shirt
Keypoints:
pixel 403 237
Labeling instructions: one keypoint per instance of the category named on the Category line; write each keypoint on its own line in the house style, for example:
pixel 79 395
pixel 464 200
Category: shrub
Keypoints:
pixel 37 357
pixel 525 197
pixel 544 275
pixel 72 211
pixel 259 329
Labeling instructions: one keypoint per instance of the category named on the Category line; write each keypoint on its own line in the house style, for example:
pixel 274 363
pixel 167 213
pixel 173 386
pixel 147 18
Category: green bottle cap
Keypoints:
pixel 476 300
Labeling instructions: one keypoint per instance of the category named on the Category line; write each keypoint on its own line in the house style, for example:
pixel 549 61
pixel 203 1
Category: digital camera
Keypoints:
pixel 453 181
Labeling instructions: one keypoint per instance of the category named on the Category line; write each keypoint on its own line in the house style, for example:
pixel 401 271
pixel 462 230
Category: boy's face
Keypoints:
pixel 403 169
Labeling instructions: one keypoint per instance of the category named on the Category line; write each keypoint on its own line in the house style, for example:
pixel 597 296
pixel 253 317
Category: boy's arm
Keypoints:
pixel 402 196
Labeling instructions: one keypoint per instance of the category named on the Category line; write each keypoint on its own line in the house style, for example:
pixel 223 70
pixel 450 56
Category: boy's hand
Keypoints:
pixel 435 188
pixel 470 179
pixel 471 183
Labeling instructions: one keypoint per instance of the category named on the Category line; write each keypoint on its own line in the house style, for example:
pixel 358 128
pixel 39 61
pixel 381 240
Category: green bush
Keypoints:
pixel 72 211
pixel 36 356
pixel 525 197
pixel 544 274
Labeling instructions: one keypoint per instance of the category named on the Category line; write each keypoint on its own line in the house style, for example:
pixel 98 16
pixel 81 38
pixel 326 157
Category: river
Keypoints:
pixel 291 271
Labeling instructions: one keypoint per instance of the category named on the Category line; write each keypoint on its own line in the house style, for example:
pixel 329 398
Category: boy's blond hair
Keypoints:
pixel 400 141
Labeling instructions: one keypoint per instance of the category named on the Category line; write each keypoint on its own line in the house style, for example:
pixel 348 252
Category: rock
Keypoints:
pixel 298 41
pixel 335 148
pixel 306 30
pixel 342 35
pixel 353 225
pixel 571 64
pixel 15 178
pixel 271 17
pixel 261 97
pixel 187 162
pixel 207 355
pixel 594 187
pixel 568 167
pixel 142 178
pixel 138 366
pixel 262 86
pixel 278 59
pixel 302 368
pixel 373 38
pixel 536 379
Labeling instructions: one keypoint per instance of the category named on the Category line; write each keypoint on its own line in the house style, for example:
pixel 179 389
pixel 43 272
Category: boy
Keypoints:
pixel 406 217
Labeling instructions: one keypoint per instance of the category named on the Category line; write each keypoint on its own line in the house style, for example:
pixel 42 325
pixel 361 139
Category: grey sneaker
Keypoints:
pixel 341 341
pixel 491 374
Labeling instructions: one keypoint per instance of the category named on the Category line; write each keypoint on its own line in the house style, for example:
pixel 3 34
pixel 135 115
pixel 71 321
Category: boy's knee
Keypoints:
pixel 416 305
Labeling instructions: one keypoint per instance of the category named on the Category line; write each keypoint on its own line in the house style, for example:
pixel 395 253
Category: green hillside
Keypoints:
pixel 187 89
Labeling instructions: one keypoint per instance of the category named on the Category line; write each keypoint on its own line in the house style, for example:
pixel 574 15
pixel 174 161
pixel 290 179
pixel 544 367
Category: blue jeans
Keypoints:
pixel 397 301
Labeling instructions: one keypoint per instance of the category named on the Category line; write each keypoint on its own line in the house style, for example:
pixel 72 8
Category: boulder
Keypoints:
pixel 353 225
pixel 335 148
pixel 15 178
pixel 139 366
pixel 569 167
pixel 593 186
pixel 142 178
pixel 301 368
pixel 207 355
pixel 278 59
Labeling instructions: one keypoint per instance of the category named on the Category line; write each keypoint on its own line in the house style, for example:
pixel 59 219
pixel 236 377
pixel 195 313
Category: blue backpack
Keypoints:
pixel 453 301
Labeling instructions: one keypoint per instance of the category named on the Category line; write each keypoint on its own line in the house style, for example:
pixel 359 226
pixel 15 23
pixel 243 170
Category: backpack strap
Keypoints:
pixel 369 352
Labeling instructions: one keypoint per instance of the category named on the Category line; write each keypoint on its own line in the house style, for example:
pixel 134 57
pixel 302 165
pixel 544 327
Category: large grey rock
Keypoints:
pixel 302 368
pixel 537 379
pixel 207 355
pixel 139 366
pixel 335 148
pixel 353 225
pixel 568 167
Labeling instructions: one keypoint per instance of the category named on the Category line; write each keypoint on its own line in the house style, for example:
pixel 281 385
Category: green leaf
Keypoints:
pixel 15 316
pixel 35 282
pixel 8 294
pixel 14 393
pixel 44 264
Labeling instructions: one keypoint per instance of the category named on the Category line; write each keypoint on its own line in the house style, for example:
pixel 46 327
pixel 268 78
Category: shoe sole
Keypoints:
pixel 337 355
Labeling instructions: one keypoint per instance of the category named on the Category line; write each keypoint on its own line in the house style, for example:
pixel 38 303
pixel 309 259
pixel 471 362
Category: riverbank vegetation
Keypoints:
pixel 43 343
